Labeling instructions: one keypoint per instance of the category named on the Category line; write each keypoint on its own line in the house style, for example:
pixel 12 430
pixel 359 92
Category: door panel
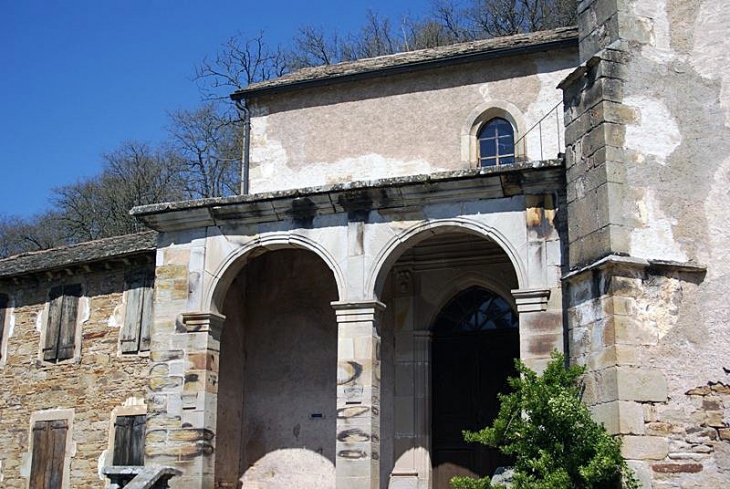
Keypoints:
pixel 469 369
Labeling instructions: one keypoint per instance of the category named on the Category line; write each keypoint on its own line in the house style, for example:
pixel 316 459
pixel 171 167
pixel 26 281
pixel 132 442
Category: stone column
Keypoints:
pixel 183 400
pixel 358 395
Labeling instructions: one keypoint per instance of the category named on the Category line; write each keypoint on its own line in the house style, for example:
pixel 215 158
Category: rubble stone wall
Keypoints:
pixel 87 389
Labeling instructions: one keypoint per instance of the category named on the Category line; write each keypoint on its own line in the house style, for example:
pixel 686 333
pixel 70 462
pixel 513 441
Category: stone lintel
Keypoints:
pixel 203 322
pixel 531 300
pixel 631 262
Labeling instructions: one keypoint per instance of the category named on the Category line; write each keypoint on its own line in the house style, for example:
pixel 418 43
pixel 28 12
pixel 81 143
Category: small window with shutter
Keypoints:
pixel 60 341
pixel 129 440
pixel 49 451
pixel 4 301
pixel 135 334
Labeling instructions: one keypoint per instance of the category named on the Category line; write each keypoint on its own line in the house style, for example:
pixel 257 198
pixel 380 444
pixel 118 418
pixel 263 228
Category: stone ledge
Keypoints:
pixel 615 261
pixel 359 197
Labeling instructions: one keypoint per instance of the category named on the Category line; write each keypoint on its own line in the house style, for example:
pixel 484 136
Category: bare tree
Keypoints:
pixel 313 47
pixel 98 207
pixel 206 145
pixel 239 62
pixel 39 232
pixel 506 17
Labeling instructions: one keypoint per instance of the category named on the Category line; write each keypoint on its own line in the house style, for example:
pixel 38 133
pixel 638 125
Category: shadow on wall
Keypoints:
pixel 277 387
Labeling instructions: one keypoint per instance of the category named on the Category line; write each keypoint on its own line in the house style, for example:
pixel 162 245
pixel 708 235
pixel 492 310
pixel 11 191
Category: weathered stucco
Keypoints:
pixel 346 132
pixel 651 160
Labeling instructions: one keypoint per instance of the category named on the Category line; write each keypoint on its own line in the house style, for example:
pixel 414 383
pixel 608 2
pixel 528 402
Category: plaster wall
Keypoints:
pixel 407 124
pixel 85 392
pixel 279 347
pixel 678 80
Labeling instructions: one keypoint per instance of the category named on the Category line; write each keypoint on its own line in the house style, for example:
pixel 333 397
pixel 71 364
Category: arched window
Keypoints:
pixel 496 143
pixel 475 309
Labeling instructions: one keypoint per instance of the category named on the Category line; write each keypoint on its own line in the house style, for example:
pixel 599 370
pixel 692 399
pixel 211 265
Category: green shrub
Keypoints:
pixel 545 426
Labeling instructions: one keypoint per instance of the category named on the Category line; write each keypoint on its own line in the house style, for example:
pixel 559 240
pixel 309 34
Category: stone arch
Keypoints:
pixel 479 116
pixel 234 262
pixel 398 244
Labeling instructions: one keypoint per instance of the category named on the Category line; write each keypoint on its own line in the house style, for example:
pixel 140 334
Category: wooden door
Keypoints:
pixel 470 367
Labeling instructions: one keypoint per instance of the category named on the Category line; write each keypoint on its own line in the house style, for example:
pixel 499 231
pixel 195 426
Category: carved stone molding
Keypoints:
pixel 531 300
pixel 203 322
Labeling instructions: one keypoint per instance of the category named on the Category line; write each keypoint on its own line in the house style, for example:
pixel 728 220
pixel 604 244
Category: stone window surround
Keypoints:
pixel 51 415
pixel 482 114
pixel 6 329
pixel 132 406
pixel 82 316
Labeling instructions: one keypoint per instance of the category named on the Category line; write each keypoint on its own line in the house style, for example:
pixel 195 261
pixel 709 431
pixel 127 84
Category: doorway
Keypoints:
pixel 475 344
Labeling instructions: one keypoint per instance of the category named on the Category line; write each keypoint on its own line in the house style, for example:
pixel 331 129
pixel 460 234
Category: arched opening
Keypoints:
pixel 496 143
pixel 447 297
pixel 475 342
pixel 276 413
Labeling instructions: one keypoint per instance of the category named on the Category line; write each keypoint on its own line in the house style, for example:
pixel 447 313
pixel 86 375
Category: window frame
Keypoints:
pixel 66 415
pixel 498 158
pixel 135 336
pixel 478 117
pixel 132 407
pixel 81 311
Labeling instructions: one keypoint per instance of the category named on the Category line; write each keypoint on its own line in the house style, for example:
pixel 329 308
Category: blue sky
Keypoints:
pixel 79 77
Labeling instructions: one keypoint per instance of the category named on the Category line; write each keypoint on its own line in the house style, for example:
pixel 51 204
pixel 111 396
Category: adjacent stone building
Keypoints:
pixel 415 222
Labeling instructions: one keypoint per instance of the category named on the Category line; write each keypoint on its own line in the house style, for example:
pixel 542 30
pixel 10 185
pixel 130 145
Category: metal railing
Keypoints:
pixel 543 128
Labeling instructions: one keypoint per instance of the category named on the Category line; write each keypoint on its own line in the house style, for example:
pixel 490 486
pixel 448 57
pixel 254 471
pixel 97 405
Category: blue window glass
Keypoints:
pixel 496 143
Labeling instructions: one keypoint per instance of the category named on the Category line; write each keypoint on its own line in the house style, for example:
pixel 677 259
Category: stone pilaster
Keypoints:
pixel 541 329
pixel 358 395
pixel 184 400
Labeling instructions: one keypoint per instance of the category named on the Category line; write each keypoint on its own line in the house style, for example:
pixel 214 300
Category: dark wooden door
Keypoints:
pixel 469 369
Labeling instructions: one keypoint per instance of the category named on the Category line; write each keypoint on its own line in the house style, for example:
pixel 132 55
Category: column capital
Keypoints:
pixel 357 311
pixel 531 300
pixel 203 322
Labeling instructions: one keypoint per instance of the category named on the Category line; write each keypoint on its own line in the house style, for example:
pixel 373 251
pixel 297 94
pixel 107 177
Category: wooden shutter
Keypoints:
pixel 3 307
pixel 135 334
pixel 61 326
pixel 53 325
pixel 67 334
pixel 129 434
pixel 49 450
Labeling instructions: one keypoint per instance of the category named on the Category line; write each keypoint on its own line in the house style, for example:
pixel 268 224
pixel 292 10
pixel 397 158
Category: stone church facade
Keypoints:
pixel 415 223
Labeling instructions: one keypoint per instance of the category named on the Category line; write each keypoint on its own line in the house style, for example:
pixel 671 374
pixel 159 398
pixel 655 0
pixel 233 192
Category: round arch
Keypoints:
pixel 232 264
pixel 399 243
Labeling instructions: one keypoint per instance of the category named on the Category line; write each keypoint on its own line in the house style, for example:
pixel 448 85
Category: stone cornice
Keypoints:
pixel 356 199
pixel 621 261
